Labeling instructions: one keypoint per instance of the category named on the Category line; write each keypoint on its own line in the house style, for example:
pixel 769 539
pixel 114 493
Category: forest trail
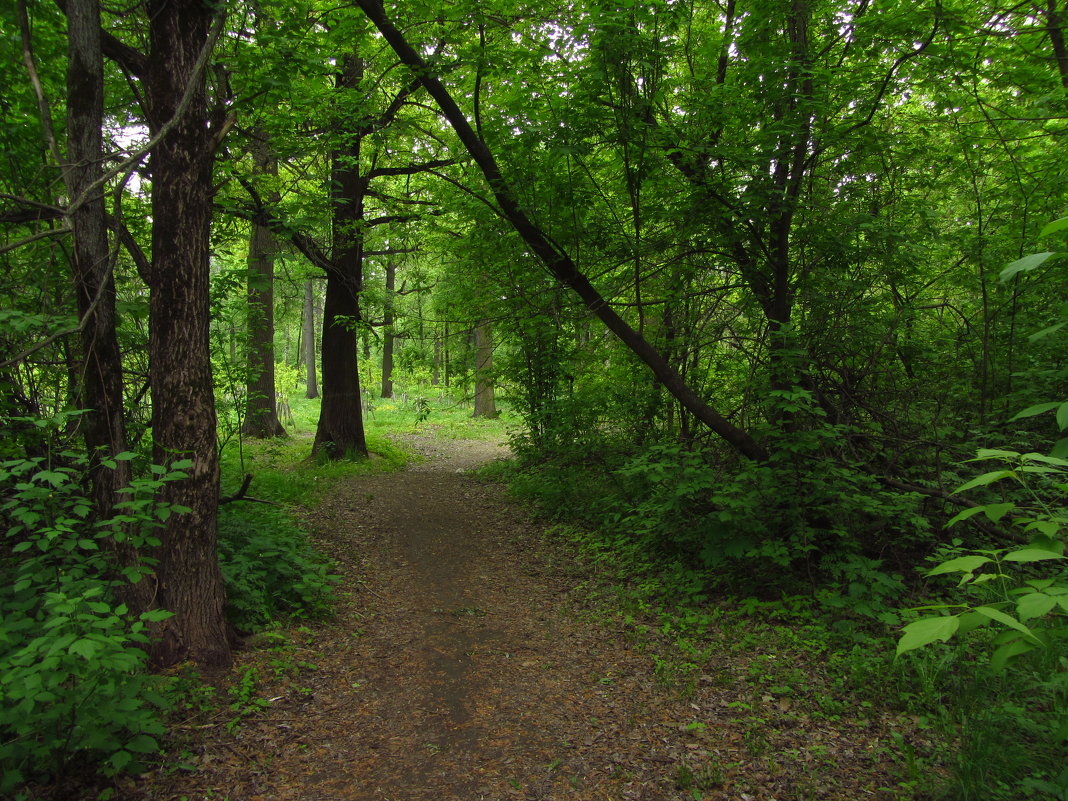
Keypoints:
pixel 461 667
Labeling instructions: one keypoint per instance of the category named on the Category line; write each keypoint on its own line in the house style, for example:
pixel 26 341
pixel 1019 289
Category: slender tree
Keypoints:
pixel 261 414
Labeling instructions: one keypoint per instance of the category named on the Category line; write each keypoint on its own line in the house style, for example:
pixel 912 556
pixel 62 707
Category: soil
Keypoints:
pixel 468 662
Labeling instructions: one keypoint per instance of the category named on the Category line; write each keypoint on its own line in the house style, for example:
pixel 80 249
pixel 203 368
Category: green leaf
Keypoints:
pixel 1062 416
pixel 1031 555
pixel 1038 408
pixel 983 454
pixel 970 512
pixel 143 744
pixel 996 511
pixel 984 479
pixel 1045 332
pixel 970 621
pixel 86 649
pixel 1041 457
pixel 120 759
pixel 924 632
pixel 1061 732
pixel 962 564
pixel 1026 264
pixel 1034 605
pixel 1007 620
pixel 1054 227
pixel 1004 653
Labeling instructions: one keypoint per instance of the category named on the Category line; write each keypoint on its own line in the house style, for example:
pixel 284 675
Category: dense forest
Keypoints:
pixel 770 287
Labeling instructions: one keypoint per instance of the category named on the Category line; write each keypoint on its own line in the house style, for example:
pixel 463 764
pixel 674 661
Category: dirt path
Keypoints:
pixel 458 669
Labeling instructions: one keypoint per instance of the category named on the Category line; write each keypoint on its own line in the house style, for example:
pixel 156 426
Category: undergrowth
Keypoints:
pixel 683 556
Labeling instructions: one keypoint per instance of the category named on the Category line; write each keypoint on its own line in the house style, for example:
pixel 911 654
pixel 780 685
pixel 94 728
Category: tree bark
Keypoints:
pixel 485 403
pixel 261 411
pixel 340 431
pixel 101 372
pixel 556 261
pixel 308 339
pixel 183 403
pixel 387 331
pixel 435 376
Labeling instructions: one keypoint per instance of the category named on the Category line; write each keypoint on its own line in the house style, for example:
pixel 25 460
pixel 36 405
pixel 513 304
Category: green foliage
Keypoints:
pixel 269 566
pixel 72 681
pixel 1013 602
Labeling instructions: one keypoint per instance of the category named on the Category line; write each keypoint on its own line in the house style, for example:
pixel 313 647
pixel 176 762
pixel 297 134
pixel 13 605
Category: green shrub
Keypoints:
pixel 72 684
pixel 269 566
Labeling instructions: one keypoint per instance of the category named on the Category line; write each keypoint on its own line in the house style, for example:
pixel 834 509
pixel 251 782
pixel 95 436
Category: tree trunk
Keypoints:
pixel 340 432
pixel 261 411
pixel 387 331
pixel 103 424
pixel 435 376
pixel 183 403
pixel 445 356
pixel 308 339
pixel 485 404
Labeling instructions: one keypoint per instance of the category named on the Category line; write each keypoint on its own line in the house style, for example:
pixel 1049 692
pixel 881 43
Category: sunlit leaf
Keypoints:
pixel 1038 408
pixel 1026 264
pixel 1034 605
pixel 1004 619
pixel 1054 227
pixel 924 632
pixel 962 564
pixel 1032 555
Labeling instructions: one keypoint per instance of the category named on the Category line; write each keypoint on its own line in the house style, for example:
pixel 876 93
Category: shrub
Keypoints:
pixel 71 660
pixel 269 566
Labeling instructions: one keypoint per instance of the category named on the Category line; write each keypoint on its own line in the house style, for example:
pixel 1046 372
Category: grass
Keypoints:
pixel 284 470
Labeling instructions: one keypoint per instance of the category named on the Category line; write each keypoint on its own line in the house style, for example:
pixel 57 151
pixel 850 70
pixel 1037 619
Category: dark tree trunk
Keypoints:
pixel 308 339
pixel 183 404
pixel 261 412
pixel 485 403
pixel 387 331
pixel 103 424
pixel 340 432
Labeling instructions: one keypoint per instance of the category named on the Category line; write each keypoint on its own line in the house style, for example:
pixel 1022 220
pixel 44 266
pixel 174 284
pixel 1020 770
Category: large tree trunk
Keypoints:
pixel 103 424
pixel 387 331
pixel 485 403
pixel 559 263
pixel 340 431
pixel 308 339
pixel 183 404
pixel 261 411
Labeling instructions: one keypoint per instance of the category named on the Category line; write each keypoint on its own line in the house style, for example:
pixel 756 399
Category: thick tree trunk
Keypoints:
pixel 183 404
pixel 340 431
pixel 387 331
pixel 556 261
pixel 308 339
pixel 261 411
pixel 103 424
pixel 485 403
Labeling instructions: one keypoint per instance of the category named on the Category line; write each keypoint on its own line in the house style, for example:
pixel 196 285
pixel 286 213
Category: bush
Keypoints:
pixel 71 660
pixel 269 566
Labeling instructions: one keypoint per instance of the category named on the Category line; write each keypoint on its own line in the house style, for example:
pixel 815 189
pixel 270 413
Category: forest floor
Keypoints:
pixel 468 661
